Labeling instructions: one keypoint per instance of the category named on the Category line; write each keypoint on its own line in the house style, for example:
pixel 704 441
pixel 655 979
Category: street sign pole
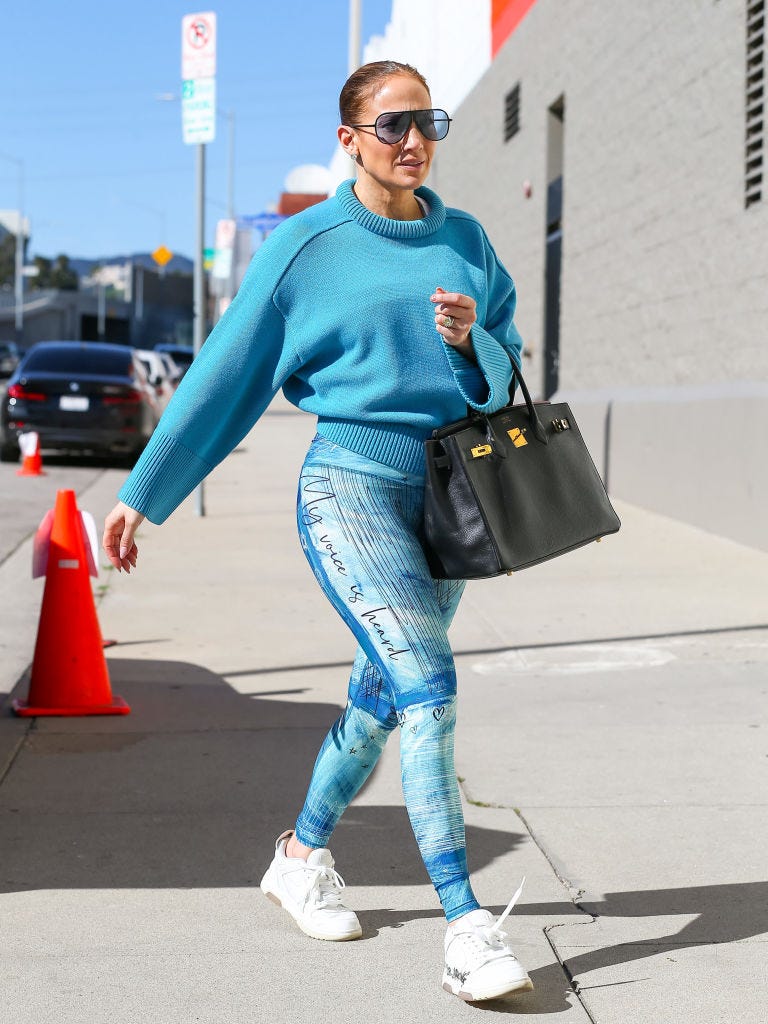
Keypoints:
pixel 198 328
pixel 198 115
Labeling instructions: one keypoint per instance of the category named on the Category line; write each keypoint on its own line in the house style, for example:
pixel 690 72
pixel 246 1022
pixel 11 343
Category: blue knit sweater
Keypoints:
pixel 335 309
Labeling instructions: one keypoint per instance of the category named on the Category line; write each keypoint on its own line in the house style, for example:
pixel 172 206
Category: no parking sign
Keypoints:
pixel 198 73
pixel 198 45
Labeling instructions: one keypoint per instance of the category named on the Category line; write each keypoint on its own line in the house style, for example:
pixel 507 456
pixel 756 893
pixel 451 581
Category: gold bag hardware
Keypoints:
pixel 517 437
pixel 561 425
pixel 480 450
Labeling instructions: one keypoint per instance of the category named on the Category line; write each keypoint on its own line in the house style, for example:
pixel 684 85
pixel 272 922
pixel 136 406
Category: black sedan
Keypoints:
pixel 79 396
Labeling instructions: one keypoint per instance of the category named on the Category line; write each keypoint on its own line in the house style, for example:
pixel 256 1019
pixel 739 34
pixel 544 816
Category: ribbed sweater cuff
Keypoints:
pixel 396 445
pixel 469 378
pixel 162 478
pixel 493 366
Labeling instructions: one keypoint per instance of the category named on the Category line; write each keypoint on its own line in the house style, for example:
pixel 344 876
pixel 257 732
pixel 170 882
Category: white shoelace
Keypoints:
pixel 510 905
pixel 325 887
pixel 480 938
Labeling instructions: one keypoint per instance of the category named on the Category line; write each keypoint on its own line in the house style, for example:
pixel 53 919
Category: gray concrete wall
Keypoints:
pixel 664 271
pixel 698 453
pixel 664 286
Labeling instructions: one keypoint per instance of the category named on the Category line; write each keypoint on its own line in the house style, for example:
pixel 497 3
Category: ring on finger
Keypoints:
pixel 448 321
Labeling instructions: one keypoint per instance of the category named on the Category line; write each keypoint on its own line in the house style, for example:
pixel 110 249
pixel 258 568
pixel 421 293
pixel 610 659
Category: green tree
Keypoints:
pixel 63 276
pixel 43 277
pixel 55 274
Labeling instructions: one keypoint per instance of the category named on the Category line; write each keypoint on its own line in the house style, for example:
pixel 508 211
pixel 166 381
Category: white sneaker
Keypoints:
pixel 310 890
pixel 478 962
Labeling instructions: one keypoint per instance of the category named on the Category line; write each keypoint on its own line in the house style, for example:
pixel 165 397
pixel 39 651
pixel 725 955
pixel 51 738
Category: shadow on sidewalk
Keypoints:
pixel 724 913
pixel 189 790
pixel 192 787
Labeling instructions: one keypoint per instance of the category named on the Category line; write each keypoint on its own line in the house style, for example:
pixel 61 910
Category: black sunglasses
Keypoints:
pixel 394 125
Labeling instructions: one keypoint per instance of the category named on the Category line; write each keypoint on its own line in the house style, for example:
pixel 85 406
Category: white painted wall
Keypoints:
pixel 448 41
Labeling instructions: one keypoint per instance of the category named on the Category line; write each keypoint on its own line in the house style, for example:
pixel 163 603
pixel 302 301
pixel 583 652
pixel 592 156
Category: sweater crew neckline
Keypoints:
pixel 388 226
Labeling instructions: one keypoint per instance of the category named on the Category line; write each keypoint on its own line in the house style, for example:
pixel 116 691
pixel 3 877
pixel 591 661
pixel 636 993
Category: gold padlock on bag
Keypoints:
pixel 480 450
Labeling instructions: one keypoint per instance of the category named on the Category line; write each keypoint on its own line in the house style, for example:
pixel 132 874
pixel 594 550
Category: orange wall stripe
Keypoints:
pixel 506 15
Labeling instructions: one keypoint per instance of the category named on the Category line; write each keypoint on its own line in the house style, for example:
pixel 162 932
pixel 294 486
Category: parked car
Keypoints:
pixel 79 396
pixel 174 371
pixel 182 355
pixel 9 358
pixel 162 373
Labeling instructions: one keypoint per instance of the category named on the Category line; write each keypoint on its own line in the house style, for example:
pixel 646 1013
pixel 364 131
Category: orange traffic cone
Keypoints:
pixel 69 672
pixel 32 464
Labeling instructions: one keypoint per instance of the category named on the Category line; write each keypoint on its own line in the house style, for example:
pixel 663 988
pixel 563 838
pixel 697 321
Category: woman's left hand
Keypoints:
pixel 454 315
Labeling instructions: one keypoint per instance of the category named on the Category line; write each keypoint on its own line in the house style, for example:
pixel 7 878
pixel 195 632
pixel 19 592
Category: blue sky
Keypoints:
pixel 106 170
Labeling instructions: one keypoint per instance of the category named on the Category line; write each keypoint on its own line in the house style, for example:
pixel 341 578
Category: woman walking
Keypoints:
pixel 383 313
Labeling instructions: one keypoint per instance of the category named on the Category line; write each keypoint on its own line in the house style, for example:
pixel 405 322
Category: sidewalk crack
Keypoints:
pixel 11 759
pixel 575 894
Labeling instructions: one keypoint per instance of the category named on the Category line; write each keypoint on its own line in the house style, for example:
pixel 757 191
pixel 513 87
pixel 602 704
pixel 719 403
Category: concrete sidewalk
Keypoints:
pixel 612 746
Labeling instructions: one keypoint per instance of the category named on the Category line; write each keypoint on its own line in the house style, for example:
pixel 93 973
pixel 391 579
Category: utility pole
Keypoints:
pixel 353 52
pixel 18 284
pixel 101 318
pixel 355 18
pixel 18 280
pixel 231 166
pixel 139 303
pixel 229 116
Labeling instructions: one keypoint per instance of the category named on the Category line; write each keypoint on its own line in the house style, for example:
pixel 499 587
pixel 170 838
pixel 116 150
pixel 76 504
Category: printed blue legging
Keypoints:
pixel 359 523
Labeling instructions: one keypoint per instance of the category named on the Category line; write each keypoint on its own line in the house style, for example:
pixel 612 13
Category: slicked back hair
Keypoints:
pixel 366 82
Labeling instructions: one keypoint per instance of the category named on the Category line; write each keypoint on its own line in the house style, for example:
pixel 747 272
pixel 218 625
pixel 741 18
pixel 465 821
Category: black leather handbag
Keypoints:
pixel 509 490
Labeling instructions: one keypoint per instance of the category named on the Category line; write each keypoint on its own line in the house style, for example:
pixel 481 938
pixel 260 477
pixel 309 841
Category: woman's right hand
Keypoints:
pixel 120 527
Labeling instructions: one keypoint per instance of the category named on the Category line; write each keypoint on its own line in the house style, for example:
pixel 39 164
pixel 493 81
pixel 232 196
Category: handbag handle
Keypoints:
pixel 536 424
pixel 533 416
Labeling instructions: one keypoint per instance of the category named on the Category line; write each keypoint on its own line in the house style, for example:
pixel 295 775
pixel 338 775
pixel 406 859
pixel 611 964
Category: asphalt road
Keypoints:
pixel 23 503
pixel 25 500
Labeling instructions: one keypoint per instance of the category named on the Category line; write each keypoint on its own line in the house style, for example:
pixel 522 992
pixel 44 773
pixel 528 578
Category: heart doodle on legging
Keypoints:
pixel 437 713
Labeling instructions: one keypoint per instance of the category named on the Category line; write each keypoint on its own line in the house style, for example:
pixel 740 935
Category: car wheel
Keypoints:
pixel 9 453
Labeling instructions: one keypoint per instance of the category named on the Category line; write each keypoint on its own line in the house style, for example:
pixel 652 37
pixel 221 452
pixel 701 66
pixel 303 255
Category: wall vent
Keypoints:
pixel 755 103
pixel 512 111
